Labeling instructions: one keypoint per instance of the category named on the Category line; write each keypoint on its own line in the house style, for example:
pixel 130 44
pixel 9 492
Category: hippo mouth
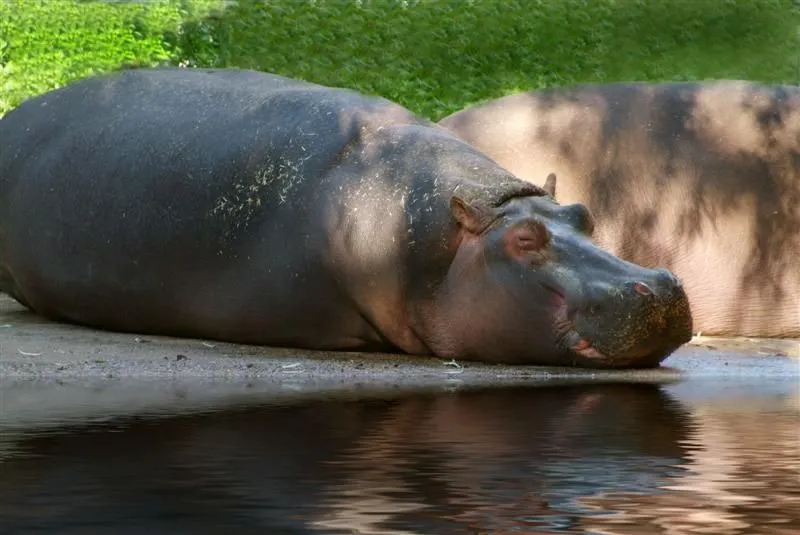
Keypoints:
pixel 567 335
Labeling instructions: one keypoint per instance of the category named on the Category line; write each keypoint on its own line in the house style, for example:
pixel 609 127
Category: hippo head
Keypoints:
pixel 528 285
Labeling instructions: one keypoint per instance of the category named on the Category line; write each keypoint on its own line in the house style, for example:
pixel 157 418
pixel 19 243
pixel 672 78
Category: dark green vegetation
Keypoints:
pixel 434 57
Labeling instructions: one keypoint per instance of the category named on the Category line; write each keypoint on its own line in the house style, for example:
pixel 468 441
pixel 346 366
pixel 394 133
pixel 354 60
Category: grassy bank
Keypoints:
pixel 432 56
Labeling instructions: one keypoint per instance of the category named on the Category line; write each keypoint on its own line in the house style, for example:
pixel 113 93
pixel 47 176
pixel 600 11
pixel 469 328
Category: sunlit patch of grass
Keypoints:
pixel 437 57
pixel 432 57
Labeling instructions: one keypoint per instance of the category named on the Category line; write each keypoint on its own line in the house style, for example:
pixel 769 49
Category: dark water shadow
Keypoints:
pixel 525 460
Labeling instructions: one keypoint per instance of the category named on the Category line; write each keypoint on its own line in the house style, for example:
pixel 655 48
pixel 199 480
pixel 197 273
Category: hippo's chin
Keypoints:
pixel 573 342
pixel 580 347
pixel 577 344
pixel 584 350
pixel 566 332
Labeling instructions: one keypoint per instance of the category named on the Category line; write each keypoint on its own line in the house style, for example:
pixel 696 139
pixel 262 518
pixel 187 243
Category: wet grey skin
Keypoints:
pixel 247 207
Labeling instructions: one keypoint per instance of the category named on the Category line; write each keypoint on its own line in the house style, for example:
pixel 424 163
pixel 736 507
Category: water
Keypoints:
pixel 701 456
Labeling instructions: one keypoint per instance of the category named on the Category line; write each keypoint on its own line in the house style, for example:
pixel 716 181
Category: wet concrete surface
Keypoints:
pixel 51 372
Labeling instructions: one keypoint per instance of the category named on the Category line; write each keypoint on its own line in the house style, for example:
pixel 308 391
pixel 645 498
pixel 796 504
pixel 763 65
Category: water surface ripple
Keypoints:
pixel 601 458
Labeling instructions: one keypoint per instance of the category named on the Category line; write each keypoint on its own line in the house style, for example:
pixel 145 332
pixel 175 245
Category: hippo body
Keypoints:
pixel 247 207
pixel 700 178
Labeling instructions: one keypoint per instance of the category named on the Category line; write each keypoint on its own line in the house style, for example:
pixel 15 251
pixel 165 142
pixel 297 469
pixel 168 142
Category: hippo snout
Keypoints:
pixel 661 286
pixel 636 321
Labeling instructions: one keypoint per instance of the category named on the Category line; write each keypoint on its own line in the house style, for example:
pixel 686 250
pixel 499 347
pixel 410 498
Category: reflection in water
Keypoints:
pixel 506 459
pixel 743 476
pixel 567 459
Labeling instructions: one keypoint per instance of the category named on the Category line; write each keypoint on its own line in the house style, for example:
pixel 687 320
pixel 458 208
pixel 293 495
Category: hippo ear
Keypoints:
pixel 550 185
pixel 472 216
pixel 526 237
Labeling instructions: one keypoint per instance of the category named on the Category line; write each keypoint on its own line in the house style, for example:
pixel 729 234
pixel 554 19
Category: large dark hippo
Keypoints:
pixel 700 178
pixel 247 207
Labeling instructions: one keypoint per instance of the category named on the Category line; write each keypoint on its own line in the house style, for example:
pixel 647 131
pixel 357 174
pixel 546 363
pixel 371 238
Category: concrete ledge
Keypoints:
pixel 52 374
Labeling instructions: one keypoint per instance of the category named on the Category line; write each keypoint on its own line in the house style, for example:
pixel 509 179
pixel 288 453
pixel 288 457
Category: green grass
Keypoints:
pixel 46 43
pixel 434 57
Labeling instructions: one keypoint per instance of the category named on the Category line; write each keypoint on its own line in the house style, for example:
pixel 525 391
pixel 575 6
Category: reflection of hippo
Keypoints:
pixel 507 460
pixel 247 207
pixel 433 463
pixel 701 178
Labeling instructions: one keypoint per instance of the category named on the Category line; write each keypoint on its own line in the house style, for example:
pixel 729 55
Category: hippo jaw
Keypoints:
pixel 638 334
pixel 567 334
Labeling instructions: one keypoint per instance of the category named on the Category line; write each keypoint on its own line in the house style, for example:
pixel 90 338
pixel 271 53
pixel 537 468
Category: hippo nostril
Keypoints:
pixel 642 289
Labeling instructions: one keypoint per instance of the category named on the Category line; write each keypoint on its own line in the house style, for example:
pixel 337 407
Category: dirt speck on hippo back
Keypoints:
pixel 239 205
